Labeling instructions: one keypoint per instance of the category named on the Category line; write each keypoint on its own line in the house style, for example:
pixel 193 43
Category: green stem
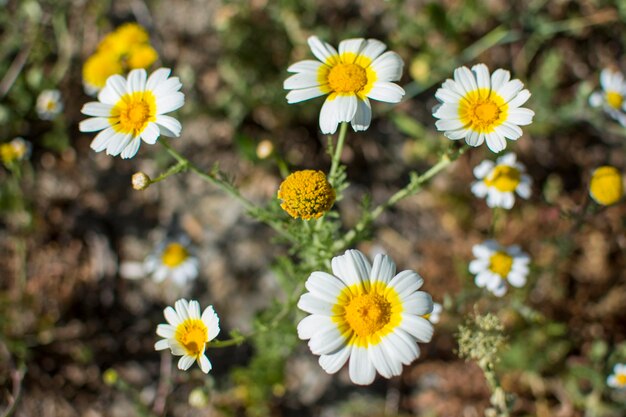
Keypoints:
pixel 215 179
pixel 415 185
pixel 337 154
pixel 174 169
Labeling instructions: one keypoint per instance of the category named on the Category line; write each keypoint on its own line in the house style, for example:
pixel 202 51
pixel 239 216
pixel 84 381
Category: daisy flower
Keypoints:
pixel 133 109
pixel 618 378
pixel 481 107
pixel 495 265
pixel 16 150
pixel 359 71
pixel 611 98
pixel 49 104
pixel 606 186
pixel 435 316
pixel 173 259
pixel 365 314
pixel 187 333
pixel 500 181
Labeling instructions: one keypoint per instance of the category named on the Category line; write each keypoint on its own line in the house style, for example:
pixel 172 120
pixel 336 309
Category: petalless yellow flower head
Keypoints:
pixel 125 36
pixel 140 181
pixel 606 186
pixel 306 194
pixel 141 56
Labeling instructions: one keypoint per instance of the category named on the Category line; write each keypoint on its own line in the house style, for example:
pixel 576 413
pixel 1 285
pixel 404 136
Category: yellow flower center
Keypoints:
pixel 365 315
pixel 606 186
pixel 621 379
pixel 50 105
pixel 347 78
pixel 504 178
pixel 141 56
pixel 614 99
pixel 192 334
pixel 500 263
pixel 13 151
pixel 483 110
pixel 174 255
pixel 133 111
pixel 306 194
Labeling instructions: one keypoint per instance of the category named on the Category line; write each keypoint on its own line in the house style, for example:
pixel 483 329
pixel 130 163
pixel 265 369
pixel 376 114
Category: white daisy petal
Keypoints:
pixel 185 362
pixel 313 305
pixel 333 362
pixel 329 117
pixel 156 78
pixel 131 149
pixel 166 330
pixel 496 142
pixel 346 107
pixel 521 116
pixel 324 286
pixel 93 124
pixel 301 80
pixel 326 340
pixel 499 78
pixel 118 143
pixel 170 103
pixel 379 360
pixel 465 78
pixel 386 91
pixel 388 67
pixel 136 80
pixel 418 327
pixel 151 133
pixel 362 371
pixel 418 303
pixel 102 139
pixel 308 65
pixel 162 345
pixel 482 169
pixel 168 125
pixel 351 46
pixel 406 282
pixel 363 115
pixel 296 96
pixel 372 49
pixel 482 76
pixel 322 51
pixel 510 90
pixel 383 269
pixel 205 364
pixel 97 109
pixel 518 100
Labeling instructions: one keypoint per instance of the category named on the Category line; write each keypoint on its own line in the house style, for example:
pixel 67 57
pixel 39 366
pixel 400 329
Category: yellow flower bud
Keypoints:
pixel 140 181
pixel 306 194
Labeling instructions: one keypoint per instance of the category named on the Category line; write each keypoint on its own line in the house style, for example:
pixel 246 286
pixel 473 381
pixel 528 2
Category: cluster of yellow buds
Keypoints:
pixel 125 49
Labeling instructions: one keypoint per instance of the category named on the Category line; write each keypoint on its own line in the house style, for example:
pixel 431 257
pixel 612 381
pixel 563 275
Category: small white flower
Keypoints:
pixel 478 107
pixel 500 181
pixel 187 333
pixel 435 316
pixel 618 378
pixel 173 259
pixel 495 265
pixel 611 98
pixel 359 71
pixel 49 104
pixel 133 109
pixel 366 314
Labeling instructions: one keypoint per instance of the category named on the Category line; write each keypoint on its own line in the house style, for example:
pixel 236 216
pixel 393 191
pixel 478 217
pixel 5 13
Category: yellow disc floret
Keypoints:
pixel 174 254
pixel 504 178
pixel 193 335
pixel 365 314
pixel 614 99
pixel 133 111
pixel 606 186
pixel 347 78
pixel 306 194
pixel 141 56
pixel 501 263
pixel 483 110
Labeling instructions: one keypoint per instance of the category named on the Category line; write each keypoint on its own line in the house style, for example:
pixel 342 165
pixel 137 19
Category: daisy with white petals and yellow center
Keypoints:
pixel 133 109
pixel 501 180
pixel 365 314
pixel 618 378
pixel 495 265
pixel 49 104
pixel 481 107
pixel 359 71
pixel 173 259
pixel 612 96
pixel 187 332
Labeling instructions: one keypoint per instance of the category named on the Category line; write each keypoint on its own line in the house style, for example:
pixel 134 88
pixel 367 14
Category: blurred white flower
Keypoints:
pixel 618 378
pixel 131 110
pixel 366 314
pixel 359 71
pixel 49 104
pixel 174 259
pixel 478 107
pixel 187 333
pixel 495 265
pixel 611 98
pixel 501 180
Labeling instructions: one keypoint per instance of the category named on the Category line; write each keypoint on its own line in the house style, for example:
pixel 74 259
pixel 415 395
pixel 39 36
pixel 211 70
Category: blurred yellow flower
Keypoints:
pixel 606 185
pixel 16 150
pixel 125 49
pixel 306 194
pixel 97 69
